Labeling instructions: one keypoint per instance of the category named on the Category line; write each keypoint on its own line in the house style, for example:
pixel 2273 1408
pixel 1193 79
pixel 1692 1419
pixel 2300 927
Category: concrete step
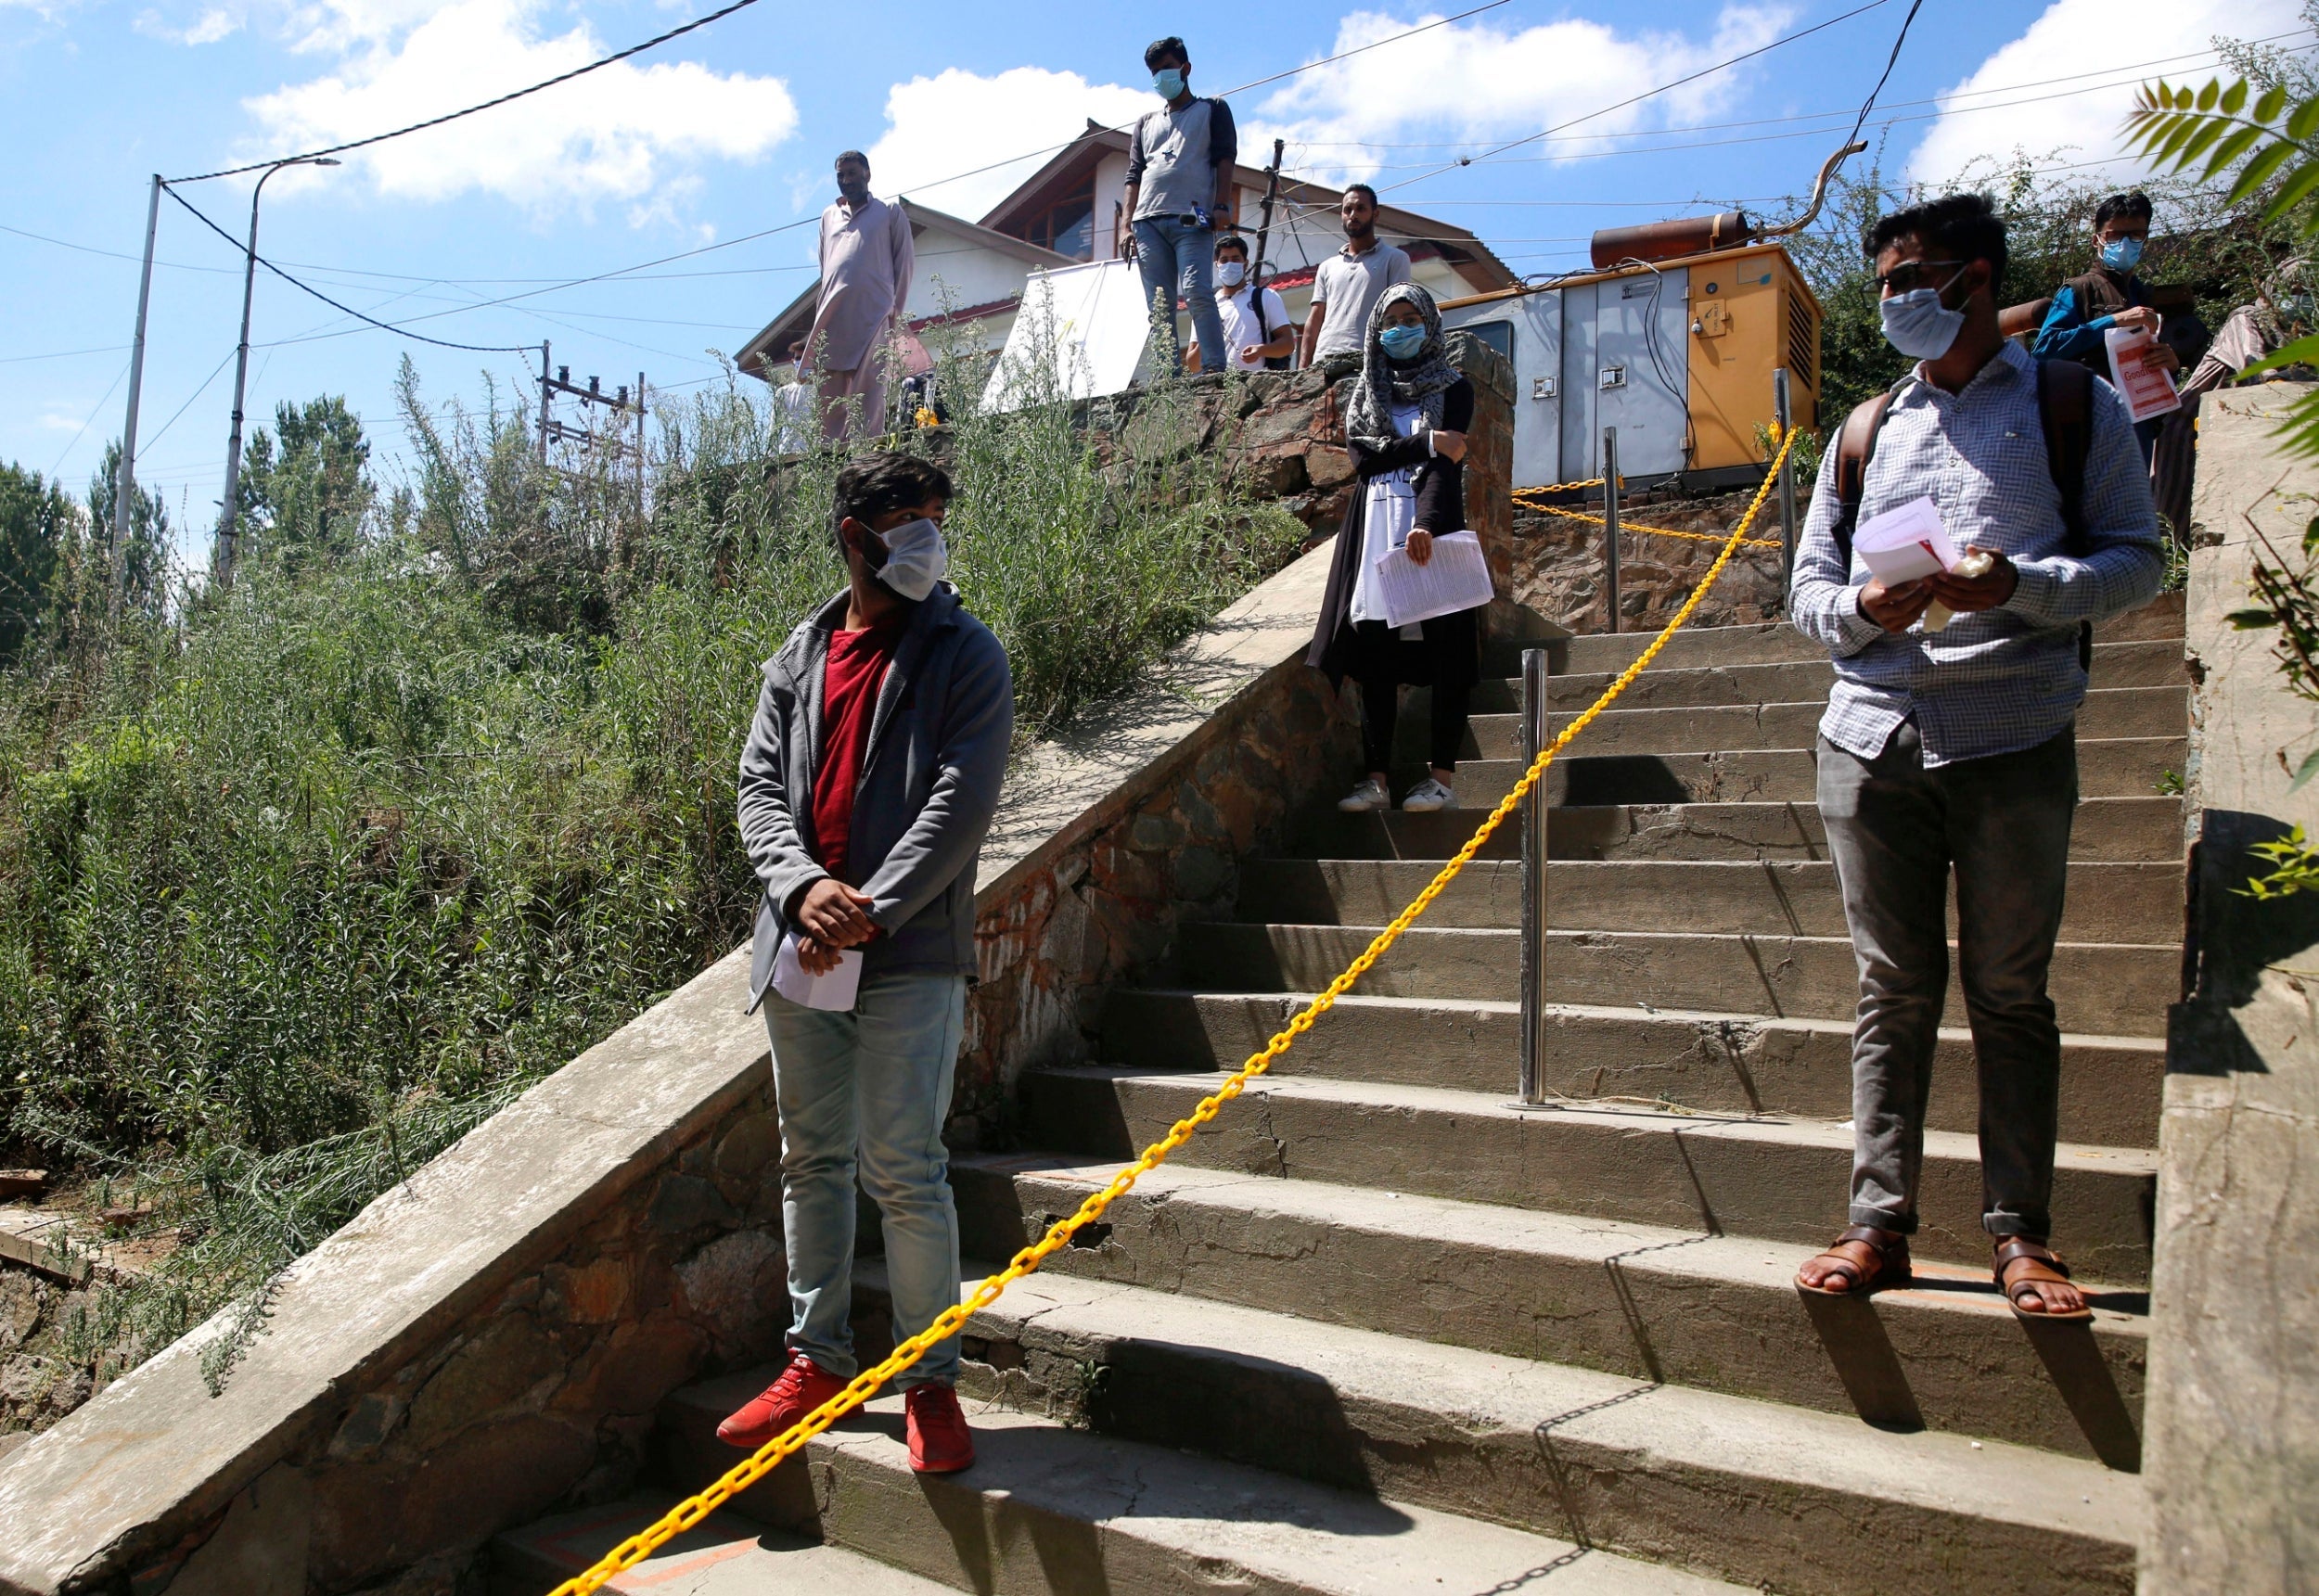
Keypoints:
pixel 1624 729
pixel 1713 1063
pixel 2107 767
pixel 1775 642
pixel 727 1554
pixel 2107 989
pixel 2108 901
pixel 2118 828
pixel 1781 1180
pixel 2151 664
pixel 1713 1312
pixel 1745 1489
pixel 1048 1510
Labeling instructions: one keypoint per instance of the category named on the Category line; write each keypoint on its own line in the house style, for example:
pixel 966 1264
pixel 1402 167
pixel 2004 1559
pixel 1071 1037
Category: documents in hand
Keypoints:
pixel 2147 391
pixel 1904 543
pixel 1456 577
pixel 833 991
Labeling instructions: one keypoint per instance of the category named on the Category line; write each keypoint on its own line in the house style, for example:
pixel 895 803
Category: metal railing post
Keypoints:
pixel 1610 528
pixel 1786 482
pixel 1536 723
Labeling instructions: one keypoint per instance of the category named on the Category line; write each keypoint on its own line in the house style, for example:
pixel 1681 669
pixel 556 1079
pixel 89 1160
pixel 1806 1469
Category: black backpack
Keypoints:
pixel 2064 411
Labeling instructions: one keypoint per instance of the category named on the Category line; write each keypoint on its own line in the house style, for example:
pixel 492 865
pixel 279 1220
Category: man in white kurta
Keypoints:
pixel 867 258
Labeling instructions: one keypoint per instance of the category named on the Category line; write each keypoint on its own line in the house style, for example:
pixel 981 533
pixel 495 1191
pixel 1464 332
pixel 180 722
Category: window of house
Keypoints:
pixel 1067 227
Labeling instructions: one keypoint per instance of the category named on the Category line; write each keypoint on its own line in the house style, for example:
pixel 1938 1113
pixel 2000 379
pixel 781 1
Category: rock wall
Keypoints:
pixel 2231 1439
pixel 1558 566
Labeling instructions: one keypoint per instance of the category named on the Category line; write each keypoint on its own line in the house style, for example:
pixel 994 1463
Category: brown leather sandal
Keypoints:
pixel 2038 1265
pixel 1882 1261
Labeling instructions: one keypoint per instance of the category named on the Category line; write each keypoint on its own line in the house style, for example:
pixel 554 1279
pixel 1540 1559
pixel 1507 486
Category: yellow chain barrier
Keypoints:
pixel 687 1513
pixel 1627 526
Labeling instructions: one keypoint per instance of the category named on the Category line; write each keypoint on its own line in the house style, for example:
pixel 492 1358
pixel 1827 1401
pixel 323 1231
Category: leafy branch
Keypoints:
pixel 2271 142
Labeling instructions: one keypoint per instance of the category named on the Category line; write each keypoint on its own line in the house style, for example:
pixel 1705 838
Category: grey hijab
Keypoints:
pixel 1385 383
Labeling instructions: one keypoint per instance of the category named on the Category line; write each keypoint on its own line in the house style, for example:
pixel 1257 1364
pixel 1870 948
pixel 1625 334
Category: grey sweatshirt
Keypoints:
pixel 930 786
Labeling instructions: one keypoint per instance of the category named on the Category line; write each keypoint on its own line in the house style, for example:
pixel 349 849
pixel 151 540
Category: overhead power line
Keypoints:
pixel 344 310
pixel 1646 94
pixel 453 116
pixel 1891 61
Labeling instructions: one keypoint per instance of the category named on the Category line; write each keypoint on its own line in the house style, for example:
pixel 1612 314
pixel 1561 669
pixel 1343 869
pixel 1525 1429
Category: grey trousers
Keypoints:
pixel 1895 829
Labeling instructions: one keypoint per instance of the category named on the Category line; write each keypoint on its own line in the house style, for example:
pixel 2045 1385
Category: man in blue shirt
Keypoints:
pixel 1956 750
pixel 2109 296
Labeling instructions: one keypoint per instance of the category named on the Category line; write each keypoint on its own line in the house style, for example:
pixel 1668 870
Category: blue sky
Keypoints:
pixel 729 131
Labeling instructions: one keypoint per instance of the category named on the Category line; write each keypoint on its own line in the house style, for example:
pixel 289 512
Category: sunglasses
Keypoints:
pixel 1910 276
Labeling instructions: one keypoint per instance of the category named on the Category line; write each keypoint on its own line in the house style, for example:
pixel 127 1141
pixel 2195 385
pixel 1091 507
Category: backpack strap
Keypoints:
pixel 1856 445
pixel 2065 410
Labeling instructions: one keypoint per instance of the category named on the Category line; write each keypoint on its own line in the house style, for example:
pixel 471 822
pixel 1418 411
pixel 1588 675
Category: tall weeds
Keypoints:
pixel 300 883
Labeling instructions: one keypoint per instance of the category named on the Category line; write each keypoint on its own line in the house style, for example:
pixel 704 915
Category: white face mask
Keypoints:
pixel 1230 273
pixel 915 558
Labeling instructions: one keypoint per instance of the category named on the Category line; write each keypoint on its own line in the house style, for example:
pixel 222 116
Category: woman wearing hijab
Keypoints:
pixel 1406 428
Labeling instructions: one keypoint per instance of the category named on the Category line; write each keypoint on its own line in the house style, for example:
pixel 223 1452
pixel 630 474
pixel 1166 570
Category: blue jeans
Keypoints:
pixel 1178 260
pixel 869 1087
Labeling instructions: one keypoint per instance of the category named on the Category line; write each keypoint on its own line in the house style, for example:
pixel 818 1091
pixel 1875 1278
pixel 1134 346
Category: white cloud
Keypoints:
pixel 939 126
pixel 1480 82
pixel 2081 36
pixel 626 133
pixel 214 23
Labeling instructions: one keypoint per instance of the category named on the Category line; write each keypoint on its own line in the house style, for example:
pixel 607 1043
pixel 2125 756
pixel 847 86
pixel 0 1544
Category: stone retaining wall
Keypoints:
pixel 1559 563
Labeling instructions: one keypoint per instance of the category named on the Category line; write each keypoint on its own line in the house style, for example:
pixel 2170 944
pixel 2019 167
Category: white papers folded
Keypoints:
pixel 1456 577
pixel 2147 391
pixel 1905 543
pixel 833 991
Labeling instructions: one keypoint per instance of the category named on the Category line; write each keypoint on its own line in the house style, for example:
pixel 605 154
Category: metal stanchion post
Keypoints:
pixel 1536 724
pixel 1787 483
pixel 1610 528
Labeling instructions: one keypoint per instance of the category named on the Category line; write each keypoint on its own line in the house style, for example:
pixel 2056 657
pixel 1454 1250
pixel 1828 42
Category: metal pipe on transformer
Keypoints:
pixel 1783 419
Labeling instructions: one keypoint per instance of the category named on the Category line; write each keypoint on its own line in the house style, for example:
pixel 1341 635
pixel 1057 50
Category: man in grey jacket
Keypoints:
pixel 868 780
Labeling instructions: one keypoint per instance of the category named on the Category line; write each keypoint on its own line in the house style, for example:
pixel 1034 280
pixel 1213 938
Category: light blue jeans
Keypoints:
pixel 1179 260
pixel 869 1088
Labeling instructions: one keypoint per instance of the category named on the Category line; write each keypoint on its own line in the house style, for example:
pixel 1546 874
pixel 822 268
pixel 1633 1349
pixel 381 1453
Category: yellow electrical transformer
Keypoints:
pixel 1750 312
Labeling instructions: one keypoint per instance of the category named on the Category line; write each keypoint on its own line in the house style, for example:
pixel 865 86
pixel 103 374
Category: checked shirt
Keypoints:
pixel 2008 678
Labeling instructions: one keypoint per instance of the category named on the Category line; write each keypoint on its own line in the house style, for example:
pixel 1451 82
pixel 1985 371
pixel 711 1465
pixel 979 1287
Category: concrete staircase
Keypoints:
pixel 1377 1331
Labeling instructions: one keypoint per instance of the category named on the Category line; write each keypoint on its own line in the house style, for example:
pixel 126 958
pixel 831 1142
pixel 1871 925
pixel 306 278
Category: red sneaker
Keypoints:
pixel 803 1387
pixel 939 1441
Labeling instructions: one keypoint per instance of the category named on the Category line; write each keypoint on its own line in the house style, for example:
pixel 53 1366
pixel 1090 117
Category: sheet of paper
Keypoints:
pixel 1904 543
pixel 2147 391
pixel 1456 577
pixel 834 991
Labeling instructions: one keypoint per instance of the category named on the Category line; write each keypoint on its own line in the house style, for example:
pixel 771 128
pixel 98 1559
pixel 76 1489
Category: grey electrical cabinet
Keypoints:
pixel 1610 352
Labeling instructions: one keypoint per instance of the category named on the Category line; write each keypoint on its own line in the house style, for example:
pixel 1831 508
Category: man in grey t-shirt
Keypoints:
pixel 1179 193
pixel 1346 287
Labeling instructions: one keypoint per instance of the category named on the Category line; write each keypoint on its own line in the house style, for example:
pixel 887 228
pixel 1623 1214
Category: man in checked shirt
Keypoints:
pixel 1956 748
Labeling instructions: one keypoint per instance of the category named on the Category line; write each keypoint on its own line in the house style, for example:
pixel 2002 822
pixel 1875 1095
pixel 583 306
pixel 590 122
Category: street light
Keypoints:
pixel 226 530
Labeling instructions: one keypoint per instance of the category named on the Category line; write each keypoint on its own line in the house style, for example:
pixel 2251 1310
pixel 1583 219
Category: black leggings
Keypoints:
pixel 1380 710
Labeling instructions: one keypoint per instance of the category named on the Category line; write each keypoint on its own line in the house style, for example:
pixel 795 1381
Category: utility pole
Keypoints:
pixel 125 477
pixel 542 401
pixel 1264 232
pixel 226 530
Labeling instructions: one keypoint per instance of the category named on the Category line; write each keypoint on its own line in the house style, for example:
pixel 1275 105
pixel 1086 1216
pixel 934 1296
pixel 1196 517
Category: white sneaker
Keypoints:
pixel 1429 796
pixel 1366 799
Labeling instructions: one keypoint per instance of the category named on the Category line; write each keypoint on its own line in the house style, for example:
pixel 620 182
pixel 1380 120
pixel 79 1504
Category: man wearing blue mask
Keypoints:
pixel 1180 166
pixel 2108 295
pixel 1954 748
pixel 868 780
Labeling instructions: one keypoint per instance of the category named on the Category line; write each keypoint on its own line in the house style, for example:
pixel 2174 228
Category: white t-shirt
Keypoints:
pixel 1242 332
pixel 1386 523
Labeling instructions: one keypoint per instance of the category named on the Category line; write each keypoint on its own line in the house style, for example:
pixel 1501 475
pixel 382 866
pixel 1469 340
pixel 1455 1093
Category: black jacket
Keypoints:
pixel 1451 653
